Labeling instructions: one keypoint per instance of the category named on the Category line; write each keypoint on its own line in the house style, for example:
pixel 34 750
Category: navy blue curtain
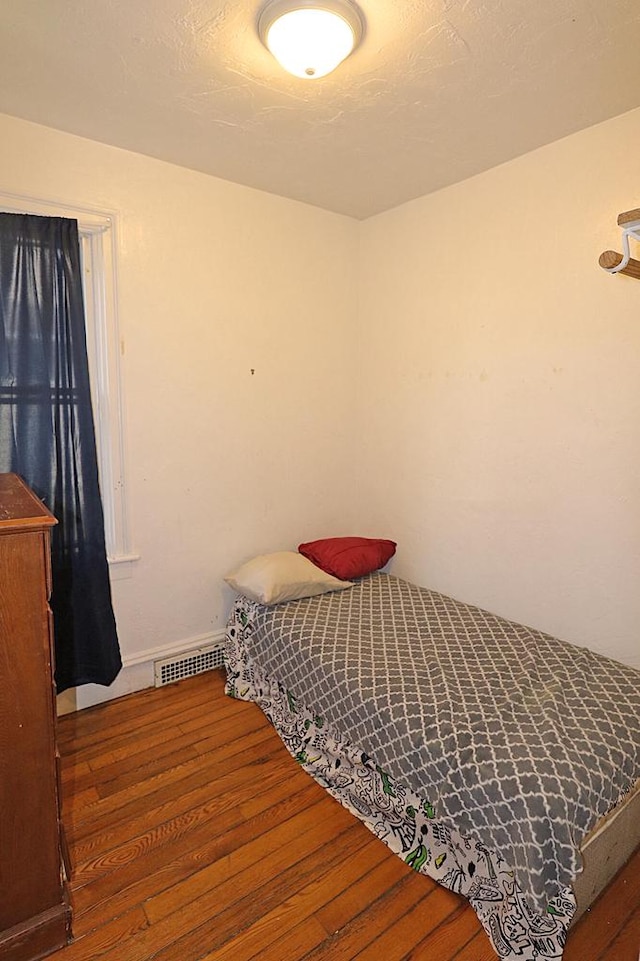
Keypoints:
pixel 47 433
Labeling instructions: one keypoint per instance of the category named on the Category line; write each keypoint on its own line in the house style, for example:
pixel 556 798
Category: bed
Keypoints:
pixel 493 758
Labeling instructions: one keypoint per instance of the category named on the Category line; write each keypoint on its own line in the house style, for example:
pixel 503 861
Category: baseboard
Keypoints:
pixel 137 674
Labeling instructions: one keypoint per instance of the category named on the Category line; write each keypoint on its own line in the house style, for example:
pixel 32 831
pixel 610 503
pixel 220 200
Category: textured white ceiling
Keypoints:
pixel 438 90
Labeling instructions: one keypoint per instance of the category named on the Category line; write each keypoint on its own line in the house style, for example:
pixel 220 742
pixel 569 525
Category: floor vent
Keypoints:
pixel 187 665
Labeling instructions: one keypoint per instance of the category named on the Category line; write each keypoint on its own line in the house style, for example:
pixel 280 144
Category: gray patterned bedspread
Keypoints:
pixel 520 740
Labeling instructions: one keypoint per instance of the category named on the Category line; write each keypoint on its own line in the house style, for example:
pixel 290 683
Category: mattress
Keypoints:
pixel 480 750
pixel 606 849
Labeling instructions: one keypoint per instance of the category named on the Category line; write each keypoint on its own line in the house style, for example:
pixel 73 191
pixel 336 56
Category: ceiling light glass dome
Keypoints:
pixel 309 38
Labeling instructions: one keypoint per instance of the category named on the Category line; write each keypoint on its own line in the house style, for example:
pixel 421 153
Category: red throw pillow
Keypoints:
pixel 349 557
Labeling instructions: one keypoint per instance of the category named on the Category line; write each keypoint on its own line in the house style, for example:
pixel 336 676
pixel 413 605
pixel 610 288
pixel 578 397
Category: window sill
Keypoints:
pixel 121 566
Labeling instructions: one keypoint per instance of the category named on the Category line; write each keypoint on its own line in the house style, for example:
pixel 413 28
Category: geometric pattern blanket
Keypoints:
pixel 479 750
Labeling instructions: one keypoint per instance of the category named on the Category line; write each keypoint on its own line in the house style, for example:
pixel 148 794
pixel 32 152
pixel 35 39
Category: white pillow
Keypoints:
pixel 283 576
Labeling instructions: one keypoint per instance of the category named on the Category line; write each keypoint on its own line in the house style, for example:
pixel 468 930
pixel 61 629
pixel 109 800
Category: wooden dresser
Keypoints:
pixel 35 917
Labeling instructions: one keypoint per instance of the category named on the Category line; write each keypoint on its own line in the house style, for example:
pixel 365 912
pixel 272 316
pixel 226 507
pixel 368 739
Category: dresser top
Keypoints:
pixel 19 506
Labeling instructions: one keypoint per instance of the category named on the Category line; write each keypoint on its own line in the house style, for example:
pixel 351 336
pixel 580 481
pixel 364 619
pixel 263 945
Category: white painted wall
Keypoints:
pixel 500 389
pixel 215 280
pixel 476 396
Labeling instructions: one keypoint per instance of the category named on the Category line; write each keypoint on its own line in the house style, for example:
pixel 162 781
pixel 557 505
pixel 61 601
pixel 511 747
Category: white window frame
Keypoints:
pixel 98 235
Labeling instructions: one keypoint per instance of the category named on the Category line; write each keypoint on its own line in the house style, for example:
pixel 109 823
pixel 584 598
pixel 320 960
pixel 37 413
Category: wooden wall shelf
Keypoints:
pixel 624 263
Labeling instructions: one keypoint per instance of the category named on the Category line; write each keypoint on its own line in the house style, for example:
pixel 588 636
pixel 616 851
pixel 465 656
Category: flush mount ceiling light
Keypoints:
pixel 309 38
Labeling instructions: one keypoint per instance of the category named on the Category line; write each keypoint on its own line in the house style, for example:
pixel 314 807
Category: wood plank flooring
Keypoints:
pixel 194 836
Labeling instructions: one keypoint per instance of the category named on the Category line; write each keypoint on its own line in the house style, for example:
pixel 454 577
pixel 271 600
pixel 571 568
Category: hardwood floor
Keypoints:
pixel 194 836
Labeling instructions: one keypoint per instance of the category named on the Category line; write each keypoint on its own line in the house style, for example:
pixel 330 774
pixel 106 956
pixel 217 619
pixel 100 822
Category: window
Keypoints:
pixel 97 231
